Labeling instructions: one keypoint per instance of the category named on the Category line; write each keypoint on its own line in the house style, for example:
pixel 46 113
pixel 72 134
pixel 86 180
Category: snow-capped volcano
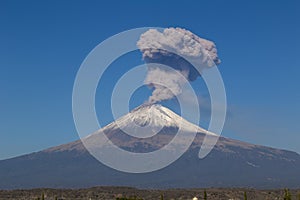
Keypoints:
pixel 146 120
pixel 231 163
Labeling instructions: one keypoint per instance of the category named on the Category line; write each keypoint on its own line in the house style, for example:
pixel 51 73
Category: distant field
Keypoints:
pixel 108 193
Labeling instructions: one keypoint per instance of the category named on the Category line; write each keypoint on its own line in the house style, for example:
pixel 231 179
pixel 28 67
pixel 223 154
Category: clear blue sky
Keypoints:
pixel 43 43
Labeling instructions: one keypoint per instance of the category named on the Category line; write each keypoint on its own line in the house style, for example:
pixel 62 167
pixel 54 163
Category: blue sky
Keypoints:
pixel 42 45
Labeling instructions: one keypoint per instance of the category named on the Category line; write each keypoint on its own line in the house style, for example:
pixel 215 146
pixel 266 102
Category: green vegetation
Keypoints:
pixel 287 195
pixel 205 195
pixel 245 195
pixel 161 197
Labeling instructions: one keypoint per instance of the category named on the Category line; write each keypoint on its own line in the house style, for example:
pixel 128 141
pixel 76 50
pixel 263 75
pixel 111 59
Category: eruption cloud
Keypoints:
pixel 173 47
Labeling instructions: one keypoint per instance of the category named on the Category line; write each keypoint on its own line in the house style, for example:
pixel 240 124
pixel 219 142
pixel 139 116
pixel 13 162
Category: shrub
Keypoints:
pixel 287 195
pixel 161 197
pixel 205 195
pixel 245 195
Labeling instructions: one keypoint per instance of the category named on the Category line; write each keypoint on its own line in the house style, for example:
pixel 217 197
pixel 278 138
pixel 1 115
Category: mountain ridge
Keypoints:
pixel 231 163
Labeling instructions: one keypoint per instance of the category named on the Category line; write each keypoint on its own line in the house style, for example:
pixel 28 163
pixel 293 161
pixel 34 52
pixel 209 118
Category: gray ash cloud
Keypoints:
pixel 181 51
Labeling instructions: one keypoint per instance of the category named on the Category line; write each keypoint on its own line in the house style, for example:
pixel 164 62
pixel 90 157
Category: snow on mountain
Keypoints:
pixel 146 120
pixel 231 163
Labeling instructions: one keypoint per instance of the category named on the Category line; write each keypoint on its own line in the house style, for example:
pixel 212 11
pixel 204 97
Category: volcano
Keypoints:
pixel 231 163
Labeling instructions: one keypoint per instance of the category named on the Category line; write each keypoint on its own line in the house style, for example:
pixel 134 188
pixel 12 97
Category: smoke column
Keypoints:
pixel 173 47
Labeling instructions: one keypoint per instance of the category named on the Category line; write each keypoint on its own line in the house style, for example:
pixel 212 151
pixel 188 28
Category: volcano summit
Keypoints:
pixel 231 163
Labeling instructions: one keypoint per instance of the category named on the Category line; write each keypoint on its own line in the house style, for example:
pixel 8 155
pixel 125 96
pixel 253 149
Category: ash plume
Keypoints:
pixel 173 47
